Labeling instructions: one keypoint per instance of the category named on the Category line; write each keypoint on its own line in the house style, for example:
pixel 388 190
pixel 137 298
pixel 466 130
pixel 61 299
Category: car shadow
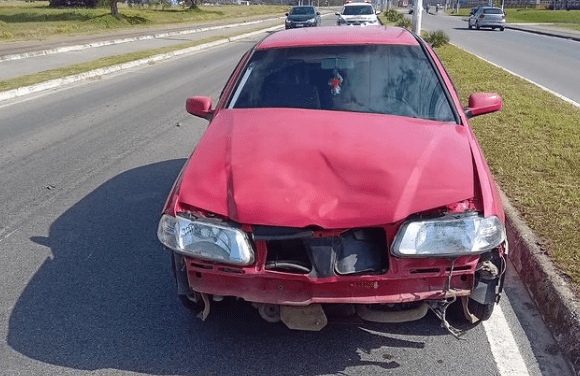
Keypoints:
pixel 106 300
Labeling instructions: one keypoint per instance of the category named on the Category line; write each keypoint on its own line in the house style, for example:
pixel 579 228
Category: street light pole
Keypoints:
pixel 417 16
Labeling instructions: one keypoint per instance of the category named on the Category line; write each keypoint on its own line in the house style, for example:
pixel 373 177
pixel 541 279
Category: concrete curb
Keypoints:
pixel 549 288
pixel 551 33
pixel 51 84
pixel 80 47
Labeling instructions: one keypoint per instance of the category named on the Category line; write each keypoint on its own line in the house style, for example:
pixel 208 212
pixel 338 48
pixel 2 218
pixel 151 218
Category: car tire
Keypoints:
pixel 469 25
pixel 194 307
pixel 479 310
pixel 457 318
pixel 501 28
pixel 477 25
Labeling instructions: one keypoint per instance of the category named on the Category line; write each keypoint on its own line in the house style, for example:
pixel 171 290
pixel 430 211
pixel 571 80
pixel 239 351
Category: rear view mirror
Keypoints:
pixel 199 106
pixel 483 103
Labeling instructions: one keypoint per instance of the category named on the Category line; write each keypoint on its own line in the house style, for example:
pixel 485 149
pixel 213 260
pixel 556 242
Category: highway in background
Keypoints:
pixel 549 61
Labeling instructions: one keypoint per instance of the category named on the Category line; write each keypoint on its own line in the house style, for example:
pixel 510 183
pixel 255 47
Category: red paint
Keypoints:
pixel 330 169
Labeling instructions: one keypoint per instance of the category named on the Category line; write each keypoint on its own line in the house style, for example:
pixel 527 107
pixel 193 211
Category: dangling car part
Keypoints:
pixel 339 168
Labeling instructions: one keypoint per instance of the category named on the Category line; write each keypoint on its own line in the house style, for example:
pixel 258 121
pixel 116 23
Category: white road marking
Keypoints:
pixel 566 99
pixel 503 345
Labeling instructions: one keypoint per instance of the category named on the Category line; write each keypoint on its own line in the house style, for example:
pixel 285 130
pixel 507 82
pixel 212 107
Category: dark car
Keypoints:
pixel 302 16
pixel 339 168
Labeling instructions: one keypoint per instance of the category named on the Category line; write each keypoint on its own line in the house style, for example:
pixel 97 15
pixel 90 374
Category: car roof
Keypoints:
pixel 358 4
pixel 336 35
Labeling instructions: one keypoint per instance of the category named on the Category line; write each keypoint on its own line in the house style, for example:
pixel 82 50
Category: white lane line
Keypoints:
pixel 503 345
pixel 565 99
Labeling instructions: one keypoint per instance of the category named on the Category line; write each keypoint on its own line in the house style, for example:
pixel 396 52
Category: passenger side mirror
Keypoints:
pixel 483 103
pixel 199 106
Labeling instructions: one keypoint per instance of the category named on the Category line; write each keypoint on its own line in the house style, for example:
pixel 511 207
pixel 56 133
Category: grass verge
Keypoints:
pixel 532 147
pixel 52 74
pixel 21 20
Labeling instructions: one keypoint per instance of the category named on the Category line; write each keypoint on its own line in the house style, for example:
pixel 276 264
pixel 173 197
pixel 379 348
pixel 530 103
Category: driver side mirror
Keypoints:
pixel 199 106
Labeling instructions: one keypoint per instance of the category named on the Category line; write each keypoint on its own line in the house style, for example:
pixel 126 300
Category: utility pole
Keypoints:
pixel 417 16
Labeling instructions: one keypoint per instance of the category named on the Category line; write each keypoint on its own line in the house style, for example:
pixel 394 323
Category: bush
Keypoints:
pixel 392 15
pixel 437 38
pixel 404 22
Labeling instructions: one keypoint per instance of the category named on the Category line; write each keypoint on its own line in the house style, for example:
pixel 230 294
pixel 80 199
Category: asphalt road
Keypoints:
pixel 549 61
pixel 86 288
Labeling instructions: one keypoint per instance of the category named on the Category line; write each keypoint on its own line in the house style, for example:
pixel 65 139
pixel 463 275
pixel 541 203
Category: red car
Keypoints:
pixel 339 169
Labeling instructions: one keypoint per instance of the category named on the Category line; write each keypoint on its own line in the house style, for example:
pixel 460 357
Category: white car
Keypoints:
pixel 357 14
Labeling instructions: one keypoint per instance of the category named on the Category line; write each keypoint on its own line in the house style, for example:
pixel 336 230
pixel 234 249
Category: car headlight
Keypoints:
pixel 205 240
pixel 311 21
pixel 448 236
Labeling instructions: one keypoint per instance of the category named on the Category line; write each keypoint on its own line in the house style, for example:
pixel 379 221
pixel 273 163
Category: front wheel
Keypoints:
pixel 501 28
pixel 479 310
pixel 463 319
pixel 477 25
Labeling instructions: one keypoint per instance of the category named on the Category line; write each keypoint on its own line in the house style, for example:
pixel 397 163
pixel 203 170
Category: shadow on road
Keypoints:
pixel 107 300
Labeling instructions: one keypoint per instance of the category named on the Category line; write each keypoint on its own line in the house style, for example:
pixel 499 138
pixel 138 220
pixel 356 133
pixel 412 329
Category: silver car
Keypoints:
pixel 487 17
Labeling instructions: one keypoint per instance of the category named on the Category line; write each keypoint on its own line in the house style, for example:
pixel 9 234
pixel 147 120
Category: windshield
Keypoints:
pixel 357 10
pixel 384 79
pixel 302 10
pixel 493 11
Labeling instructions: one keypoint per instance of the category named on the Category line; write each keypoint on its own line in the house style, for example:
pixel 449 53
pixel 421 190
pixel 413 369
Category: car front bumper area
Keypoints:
pixel 295 273
pixel 414 281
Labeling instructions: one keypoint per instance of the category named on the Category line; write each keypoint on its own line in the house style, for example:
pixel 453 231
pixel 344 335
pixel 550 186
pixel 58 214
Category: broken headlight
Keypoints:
pixel 448 236
pixel 205 240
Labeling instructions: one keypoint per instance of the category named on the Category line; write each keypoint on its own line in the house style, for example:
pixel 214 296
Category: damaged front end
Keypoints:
pixel 390 273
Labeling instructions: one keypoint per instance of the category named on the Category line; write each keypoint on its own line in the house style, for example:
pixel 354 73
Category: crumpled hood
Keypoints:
pixel 293 167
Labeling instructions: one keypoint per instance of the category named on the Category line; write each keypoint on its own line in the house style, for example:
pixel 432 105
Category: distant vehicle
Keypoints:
pixel 357 14
pixel 302 16
pixel 487 17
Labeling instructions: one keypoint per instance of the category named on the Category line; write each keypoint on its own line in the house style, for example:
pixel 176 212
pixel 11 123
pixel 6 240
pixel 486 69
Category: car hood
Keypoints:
pixel 357 17
pixel 296 168
pixel 301 17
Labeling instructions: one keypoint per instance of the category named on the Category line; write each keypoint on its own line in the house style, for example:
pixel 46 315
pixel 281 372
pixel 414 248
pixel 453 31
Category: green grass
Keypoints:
pixel 532 147
pixel 31 79
pixel 35 20
pixel 543 16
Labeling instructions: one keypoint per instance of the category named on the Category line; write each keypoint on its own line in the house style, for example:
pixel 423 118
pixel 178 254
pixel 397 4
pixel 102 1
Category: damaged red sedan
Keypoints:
pixel 339 169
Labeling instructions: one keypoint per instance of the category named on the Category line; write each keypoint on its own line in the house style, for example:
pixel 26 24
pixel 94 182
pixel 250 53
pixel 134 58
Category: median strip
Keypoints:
pixel 53 78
